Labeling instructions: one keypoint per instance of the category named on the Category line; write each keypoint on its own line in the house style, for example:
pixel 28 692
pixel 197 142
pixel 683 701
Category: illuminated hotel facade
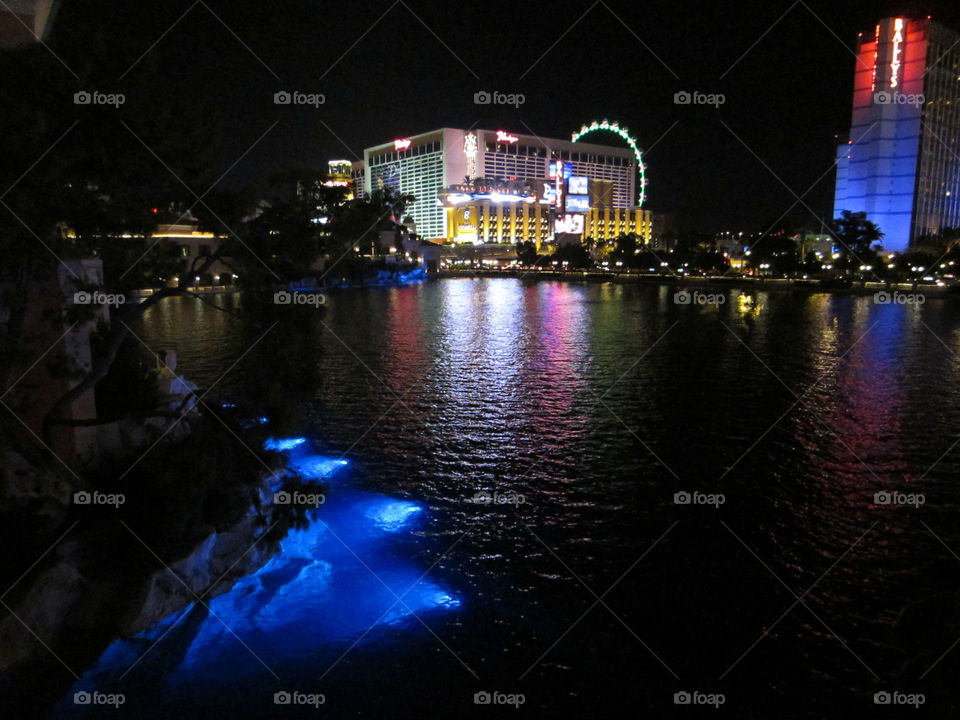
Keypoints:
pixel 539 212
pixel 493 186
pixel 901 163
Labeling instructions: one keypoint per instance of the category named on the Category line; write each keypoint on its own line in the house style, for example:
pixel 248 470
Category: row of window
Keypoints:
pixel 541 152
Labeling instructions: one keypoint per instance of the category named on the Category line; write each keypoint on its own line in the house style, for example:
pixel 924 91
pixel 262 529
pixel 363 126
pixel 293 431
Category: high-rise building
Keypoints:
pixel 357 172
pixel 901 162
pixel 340 174
pixel 426 164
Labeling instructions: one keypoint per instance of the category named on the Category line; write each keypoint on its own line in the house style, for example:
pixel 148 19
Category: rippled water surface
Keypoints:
pixel 593 404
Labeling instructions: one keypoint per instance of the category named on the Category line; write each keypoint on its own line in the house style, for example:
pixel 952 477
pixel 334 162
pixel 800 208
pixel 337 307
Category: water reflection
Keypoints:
pixel 502 378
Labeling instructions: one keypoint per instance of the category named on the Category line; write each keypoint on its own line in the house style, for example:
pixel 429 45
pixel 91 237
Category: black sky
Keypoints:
pixel 786 96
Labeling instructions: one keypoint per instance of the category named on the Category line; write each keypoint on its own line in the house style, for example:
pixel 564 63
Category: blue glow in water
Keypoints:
pixel 315 467
pixel 416 275
pixel 284 443
pixel 385 277
pixel 444 600
pixel 314 593
pixel 228 405
pixel 332 584
pixel 263 420
pixel 391 515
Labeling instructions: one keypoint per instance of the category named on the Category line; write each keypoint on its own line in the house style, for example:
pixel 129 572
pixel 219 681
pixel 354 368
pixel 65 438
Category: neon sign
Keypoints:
pixel 506 137
pixel 401 144
pixel 558 174
pixel 897 53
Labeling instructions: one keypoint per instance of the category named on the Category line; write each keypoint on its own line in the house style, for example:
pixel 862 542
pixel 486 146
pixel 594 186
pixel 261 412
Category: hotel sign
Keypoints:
pixel 506 137
pixel 401 144
pixel 896 62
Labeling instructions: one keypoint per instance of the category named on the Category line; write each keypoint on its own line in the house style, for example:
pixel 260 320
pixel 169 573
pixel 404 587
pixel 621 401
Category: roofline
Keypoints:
pixel 546 140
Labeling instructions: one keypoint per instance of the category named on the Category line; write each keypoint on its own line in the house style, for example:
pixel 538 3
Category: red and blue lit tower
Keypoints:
pixel 901 162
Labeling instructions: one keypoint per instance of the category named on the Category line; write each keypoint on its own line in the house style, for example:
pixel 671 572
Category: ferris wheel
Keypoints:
pixel 623 134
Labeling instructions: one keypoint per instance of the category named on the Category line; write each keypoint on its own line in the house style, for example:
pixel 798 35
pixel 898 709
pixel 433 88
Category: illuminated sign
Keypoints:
pixel 564 168
pixel 470 150
pixel 401 144
pixel 572 224
pixel 577 185
pixel 578 203
pixel 491 191
pixel 897 52
pixel 506 137
pixel 549 194
pixel 558 174
pixel 499 197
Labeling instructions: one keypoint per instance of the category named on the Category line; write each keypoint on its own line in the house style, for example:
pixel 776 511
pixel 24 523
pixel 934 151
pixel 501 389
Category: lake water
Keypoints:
pixel 582 409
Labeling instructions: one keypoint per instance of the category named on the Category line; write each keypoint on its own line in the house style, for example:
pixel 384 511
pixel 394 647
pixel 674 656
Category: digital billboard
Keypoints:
pixel 578 185
pixel 572 224
pixel 578 203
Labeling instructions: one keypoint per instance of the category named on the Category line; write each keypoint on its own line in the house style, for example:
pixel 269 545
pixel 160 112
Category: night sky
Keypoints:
pixel 786 97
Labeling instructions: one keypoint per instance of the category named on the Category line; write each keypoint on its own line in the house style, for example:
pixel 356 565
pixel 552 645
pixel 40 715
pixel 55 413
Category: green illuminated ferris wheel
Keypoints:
pixel 623 134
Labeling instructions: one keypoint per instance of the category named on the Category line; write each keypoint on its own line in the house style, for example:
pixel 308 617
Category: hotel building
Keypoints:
pixel 559 209
pixel 901 162
pixel 494 186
